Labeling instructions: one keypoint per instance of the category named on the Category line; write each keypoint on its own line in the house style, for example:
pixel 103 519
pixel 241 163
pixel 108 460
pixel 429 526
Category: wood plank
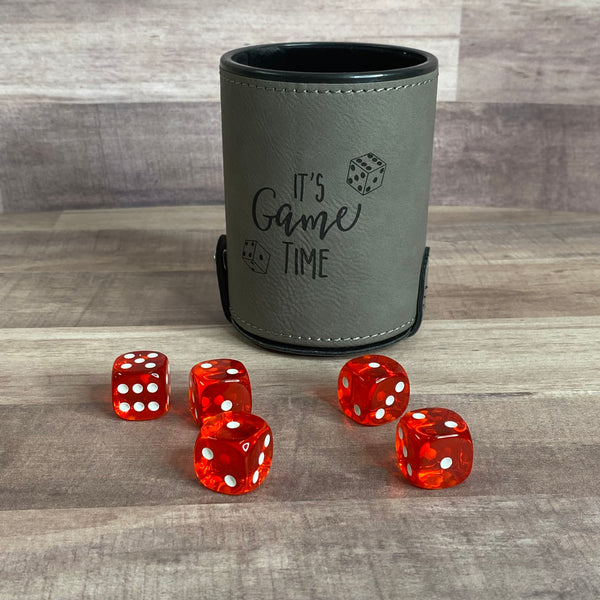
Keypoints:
pixel 534 51
pixel 108 251
pixel 511 266
pixel 28 221
pixel 91 268
pixel 184 238
pixel 525 155
pixel 150 218
pixel 211 218
pixel 82 455
pixel 494 373
pixel 117 155
pixel 505 236
pixel 143 296
pixel 109 299
pixel 106 155
pixel 428 546
pixel 96 507
pixel 470 215
pixel 89 51
pixel 544 289
pixel 468 356
pixel 155 218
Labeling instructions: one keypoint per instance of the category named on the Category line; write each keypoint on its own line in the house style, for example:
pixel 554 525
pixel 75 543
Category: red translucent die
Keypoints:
pixel 434 448
pixel 233 452
pixel 219 385
pixel 373 389
pixel 141 388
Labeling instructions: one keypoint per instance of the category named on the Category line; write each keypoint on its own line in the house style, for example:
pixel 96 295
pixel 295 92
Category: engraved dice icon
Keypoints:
pixel 255 256
pixel 366 172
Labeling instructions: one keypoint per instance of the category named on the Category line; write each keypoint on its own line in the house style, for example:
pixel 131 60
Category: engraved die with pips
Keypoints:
pixel 366 172
pixel 255 256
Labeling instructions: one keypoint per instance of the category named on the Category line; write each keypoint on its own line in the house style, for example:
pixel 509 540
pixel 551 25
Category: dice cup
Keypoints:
pixel 327 161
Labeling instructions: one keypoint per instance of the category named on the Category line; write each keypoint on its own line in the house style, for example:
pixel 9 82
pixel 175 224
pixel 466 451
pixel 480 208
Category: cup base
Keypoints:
pixel 304 350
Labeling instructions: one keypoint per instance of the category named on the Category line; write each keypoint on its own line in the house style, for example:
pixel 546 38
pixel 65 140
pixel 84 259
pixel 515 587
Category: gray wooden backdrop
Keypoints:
pixel 106 103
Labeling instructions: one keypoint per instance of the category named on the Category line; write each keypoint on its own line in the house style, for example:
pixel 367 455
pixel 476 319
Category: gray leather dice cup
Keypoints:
pixel 327 161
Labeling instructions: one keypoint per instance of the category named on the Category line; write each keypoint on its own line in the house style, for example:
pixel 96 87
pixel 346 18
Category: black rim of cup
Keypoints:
pixel 328 62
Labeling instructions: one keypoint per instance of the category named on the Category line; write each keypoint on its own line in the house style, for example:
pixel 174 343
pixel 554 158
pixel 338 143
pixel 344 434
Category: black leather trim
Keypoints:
pixel 422 293
pixel 316 351
pixel 221 261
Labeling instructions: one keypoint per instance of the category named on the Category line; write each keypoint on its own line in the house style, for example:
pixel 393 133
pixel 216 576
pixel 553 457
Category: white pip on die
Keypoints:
pixel 141 386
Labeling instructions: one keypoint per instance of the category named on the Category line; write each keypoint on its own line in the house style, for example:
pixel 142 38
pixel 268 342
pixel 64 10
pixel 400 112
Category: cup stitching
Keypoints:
pixel 352 91
pixel 319 339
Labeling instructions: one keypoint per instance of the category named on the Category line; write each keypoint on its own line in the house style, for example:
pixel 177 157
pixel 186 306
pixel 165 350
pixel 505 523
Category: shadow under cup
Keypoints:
pixel 327 163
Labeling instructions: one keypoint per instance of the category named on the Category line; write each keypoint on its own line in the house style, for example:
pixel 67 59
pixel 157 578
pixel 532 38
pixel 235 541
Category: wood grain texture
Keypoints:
pixel 93 507
pixel 525 155
pixel 106 104
pixel 479 368
pixel 112 104
pixel 434 547
pixel 97 51
pixel 96 268
pixel 55 156
pixel 102 155
pixel 534 51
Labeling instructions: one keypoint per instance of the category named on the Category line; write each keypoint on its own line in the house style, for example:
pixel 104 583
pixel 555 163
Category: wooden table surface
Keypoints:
pixel 96 507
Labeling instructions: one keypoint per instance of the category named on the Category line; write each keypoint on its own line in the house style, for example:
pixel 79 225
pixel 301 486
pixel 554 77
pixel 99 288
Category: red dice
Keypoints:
pixel 373 389
pixel 141 389
pixel 217 386
pixel 434 448
pixel 233 452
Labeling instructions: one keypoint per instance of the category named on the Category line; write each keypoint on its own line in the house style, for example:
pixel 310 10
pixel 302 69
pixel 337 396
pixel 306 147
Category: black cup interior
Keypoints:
pixel 314 61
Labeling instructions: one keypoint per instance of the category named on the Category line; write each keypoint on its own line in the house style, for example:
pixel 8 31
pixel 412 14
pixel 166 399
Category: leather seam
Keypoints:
pixel 320 339
pixel 321 91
